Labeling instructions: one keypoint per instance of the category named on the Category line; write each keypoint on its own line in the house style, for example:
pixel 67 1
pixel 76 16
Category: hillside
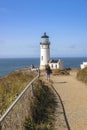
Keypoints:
pixel 11 85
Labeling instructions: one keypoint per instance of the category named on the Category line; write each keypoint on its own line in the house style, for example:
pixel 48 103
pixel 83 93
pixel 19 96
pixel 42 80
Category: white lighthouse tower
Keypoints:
pixel 45 51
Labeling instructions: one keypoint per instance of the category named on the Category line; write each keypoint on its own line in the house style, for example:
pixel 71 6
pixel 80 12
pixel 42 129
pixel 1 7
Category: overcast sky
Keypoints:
pixel 23 22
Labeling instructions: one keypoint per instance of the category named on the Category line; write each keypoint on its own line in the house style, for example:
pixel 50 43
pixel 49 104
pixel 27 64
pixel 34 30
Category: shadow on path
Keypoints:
pixel 61 82
pixel 64 113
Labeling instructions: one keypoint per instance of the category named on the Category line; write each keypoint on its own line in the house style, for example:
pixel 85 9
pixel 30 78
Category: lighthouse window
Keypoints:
pixel 42 57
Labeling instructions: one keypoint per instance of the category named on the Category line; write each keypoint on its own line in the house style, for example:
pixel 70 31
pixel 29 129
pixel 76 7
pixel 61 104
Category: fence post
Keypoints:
pixel 38 72
pixel 18 99
pixel 0 126
pixel 32 86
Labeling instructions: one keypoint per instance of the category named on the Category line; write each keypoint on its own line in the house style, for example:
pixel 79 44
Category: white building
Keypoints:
pixel 45 51
pixel 83 65
pixel 56 64
pixel 45 54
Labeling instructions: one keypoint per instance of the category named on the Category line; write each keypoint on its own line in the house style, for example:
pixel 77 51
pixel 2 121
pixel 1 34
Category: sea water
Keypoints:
pixel 11 64
pixel 8 65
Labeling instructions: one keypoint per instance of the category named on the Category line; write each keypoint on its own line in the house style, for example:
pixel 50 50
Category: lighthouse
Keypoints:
pixel 45 55
pixel 44 51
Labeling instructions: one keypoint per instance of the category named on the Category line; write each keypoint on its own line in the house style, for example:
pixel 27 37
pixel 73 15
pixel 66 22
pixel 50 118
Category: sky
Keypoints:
pixel 23 22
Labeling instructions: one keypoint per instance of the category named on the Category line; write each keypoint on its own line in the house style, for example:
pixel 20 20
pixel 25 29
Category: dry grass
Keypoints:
pixel 82 75
pixel 60 72
pixel 11 85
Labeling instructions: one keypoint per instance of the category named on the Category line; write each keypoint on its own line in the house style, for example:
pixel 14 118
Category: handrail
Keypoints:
pixel 17 99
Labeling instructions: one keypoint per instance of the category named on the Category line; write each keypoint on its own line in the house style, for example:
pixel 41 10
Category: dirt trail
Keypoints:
pixel 74 97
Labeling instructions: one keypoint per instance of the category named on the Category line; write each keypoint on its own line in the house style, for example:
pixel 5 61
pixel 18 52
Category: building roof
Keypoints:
pixel 45 36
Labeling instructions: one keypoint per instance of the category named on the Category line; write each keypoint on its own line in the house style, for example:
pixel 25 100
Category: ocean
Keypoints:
pixel 7 65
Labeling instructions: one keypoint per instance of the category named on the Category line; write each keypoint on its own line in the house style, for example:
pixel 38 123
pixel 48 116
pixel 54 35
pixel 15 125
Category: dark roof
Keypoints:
pixel 45 36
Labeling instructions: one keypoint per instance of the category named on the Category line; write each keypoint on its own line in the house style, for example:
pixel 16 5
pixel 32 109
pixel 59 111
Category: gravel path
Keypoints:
pixel 74 97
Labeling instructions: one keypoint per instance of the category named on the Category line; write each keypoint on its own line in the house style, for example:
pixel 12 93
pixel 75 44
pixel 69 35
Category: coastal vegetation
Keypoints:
pixel 42 109
pixel 11 86
pixel 61 72
pixel 82 75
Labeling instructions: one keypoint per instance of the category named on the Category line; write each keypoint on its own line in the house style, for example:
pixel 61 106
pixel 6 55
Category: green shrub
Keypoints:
pixel 29 124
pixel 44 126
pixel 42 106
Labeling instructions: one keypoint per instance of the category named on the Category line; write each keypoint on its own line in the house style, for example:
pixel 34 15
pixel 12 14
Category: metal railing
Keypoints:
pixel 19 104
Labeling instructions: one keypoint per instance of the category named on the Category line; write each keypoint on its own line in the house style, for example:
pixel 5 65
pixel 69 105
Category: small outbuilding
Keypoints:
pixel 83 65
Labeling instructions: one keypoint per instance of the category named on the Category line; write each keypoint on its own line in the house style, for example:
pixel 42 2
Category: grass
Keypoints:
pixel 42 108
pixel 82 75
pixel 60 72
pixel 11 86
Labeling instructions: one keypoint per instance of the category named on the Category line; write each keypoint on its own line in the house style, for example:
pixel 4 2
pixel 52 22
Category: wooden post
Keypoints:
pixel 0 126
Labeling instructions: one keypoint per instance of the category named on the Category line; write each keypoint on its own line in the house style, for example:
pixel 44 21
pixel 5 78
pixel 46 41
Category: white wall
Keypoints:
pixel 83 65
pixel 56 65
pixel 45 54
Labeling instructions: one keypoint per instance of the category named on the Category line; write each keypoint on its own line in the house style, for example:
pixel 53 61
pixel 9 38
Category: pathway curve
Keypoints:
pixel 74 97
